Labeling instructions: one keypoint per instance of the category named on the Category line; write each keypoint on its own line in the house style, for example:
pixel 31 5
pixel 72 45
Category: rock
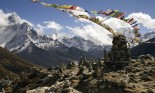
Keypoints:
pixel 147 57
pixel 93 83
pixel 150 91
pixel 137 69
pixel 146 77
pixel 128 68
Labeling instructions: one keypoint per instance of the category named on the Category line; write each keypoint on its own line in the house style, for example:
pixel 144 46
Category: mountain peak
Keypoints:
pixel 78 38
pixel 148 36
pixel 25 26
pixel 14 18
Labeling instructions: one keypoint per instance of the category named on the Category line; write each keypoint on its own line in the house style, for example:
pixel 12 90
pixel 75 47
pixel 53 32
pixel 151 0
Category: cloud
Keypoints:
pixel 40 29
pixel 121 27
pixel 117 24
pixel 114 23
pixel 60 36
pixel 144 19
pixel 52 25
pixel 4 21
pixel 92 32
pixel 3 18
pixel 98 34
pixel 83 20
pixel 47 25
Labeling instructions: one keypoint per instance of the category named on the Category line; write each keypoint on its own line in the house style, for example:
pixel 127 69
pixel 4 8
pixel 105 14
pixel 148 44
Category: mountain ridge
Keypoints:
pixel 86 45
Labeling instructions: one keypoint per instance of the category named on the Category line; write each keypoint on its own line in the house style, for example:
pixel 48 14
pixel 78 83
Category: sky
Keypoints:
pixel 45 18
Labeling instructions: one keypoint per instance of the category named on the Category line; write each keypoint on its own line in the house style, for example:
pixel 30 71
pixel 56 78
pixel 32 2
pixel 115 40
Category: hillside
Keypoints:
pixel 151 40
pixel 144 48
pixel 12 65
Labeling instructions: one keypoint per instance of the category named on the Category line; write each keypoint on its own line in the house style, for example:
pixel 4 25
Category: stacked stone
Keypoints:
pixel 120 53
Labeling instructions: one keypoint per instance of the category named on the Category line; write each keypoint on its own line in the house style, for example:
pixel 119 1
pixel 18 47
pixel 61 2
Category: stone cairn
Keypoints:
pixel 120 53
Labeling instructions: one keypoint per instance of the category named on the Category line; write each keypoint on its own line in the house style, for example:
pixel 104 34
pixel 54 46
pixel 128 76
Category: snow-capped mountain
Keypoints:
pixel 19 37
pixel 86 45
pixel 148 36
pixel 80 43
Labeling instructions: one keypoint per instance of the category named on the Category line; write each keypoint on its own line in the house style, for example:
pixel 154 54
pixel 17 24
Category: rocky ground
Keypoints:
pixel 87 77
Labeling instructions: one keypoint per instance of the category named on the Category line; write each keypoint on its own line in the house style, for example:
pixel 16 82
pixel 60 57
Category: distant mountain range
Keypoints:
pixel 23 40
pixel 12 65
pixel 86 45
